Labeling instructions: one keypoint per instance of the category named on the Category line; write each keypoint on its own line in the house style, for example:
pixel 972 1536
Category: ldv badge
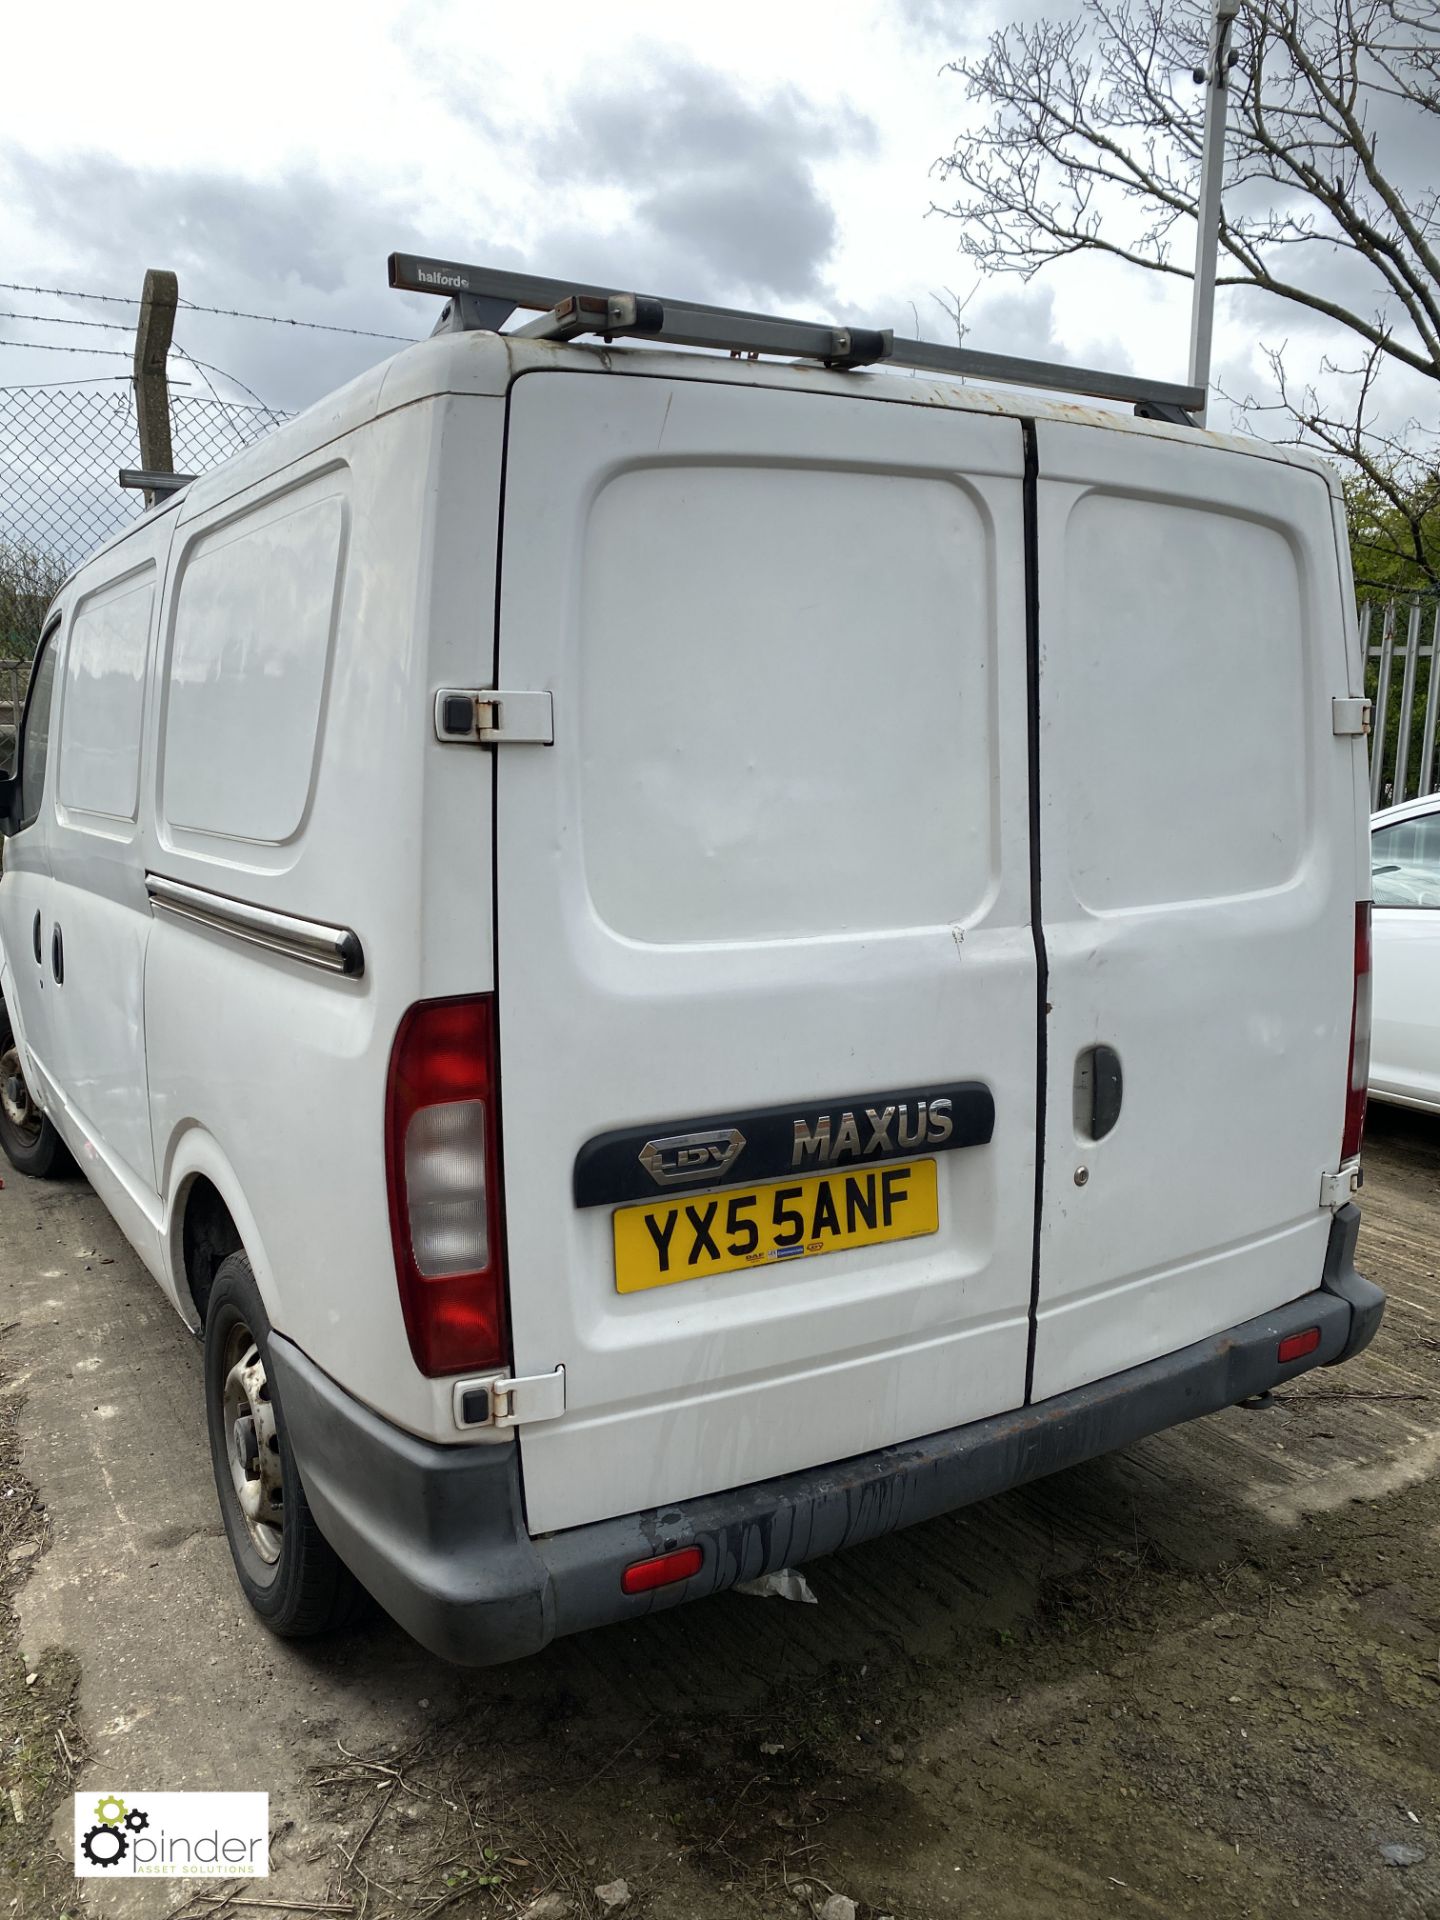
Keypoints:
pixel 692 1156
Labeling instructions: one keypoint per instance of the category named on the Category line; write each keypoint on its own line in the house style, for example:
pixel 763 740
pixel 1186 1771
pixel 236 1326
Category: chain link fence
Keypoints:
pixel 61 451
pixel 62 447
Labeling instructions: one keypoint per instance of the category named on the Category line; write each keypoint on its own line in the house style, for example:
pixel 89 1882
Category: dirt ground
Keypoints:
pixel 1199 1677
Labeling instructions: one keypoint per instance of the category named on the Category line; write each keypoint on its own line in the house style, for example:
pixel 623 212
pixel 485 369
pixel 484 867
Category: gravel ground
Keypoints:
pixel 1199 1677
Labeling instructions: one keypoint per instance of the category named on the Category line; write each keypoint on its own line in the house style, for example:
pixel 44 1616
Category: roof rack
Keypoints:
pixel 486 297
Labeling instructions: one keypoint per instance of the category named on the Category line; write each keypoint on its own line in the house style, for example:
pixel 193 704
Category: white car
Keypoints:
pixel 1405 866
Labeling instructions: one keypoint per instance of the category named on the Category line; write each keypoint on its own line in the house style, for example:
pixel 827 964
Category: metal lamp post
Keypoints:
pixel 1215 76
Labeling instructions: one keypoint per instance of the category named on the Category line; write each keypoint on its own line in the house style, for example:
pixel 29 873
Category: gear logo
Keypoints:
pixel 107 1844
pixel 182 1835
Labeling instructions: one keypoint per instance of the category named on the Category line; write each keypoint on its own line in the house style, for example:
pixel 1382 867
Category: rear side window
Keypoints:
pixel 104 699
pixel 1405 862
pixel 35 734
pixel 249 663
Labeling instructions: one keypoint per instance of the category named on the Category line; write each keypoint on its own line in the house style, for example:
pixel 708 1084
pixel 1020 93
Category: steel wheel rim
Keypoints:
pixel 252 1444
pixel 19 1109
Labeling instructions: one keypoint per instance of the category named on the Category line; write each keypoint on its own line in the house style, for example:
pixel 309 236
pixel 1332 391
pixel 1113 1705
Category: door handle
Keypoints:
pixel 57 955
pixel 1099 1089
pixel 35 938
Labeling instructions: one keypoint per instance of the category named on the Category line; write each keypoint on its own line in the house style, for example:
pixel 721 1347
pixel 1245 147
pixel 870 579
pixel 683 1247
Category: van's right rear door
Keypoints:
pixel 774 869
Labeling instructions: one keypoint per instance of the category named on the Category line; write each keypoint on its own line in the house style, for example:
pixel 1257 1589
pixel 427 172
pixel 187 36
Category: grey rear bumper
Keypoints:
pixel 437 1534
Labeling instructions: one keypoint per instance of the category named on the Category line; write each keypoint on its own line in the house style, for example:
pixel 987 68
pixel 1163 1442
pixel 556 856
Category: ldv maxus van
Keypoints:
pixel 682 957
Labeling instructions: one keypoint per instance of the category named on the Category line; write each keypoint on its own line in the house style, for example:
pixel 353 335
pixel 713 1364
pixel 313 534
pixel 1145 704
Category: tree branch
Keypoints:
pixel 1085 122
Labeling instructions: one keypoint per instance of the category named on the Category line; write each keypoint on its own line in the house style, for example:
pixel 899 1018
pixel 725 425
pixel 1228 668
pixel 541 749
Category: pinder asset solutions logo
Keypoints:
pixel 173 1836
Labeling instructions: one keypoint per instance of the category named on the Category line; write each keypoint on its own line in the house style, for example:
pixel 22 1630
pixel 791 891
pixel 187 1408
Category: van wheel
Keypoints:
pixel 31 1144
pixel 291 1575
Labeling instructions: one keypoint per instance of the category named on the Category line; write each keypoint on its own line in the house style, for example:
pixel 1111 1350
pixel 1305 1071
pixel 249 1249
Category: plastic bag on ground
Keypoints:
pixel 786 1584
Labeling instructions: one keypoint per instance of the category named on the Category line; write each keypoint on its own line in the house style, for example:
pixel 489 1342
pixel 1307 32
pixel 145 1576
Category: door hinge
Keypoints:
pixel 1350 716
pixel 504 1403
pixel 1338 1189
pixel 490 717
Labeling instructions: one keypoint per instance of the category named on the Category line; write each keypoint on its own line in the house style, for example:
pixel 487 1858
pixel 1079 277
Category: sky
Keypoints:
pixel 768 153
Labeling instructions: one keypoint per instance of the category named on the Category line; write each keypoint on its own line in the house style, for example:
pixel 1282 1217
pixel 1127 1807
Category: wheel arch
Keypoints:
pixel 209 1218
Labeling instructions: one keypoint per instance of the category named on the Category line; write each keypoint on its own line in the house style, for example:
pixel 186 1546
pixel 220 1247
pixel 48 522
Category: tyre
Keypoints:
pixel 291 1575
pixel 31 1144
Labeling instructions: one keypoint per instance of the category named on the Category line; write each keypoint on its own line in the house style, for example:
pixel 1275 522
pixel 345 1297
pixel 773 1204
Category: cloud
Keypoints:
pixel 1005 318
pixel 933 20
pixel 705 188
pixel 207 225
pixel 682 118
pixel 955 28
pixel 299 246
pixel 670 178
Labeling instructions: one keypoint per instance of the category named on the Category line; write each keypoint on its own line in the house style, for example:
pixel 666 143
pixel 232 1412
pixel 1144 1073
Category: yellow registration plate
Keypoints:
pixel 772 1222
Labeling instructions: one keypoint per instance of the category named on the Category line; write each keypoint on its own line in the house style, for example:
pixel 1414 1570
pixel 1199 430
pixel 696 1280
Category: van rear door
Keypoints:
pixel 764 949
pixel 1198 879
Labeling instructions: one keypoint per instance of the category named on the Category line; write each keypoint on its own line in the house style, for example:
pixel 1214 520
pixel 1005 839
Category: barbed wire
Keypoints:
pixel 193 306
pixel 69 293
pixel 86 380
pixel 234 379
pixel 285 320
pixel 63 320
pixel 118 353
pixel 44 346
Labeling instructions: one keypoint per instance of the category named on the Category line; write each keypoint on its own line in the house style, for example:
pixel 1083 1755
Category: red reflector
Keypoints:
pixel 645 1575
pixel 1297 1345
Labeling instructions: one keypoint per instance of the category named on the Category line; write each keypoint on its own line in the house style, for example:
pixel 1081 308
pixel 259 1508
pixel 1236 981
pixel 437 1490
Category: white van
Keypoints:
pixel 682 959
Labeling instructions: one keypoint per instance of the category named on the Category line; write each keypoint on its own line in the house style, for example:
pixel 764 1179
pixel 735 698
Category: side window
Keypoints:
pixel 35 731
pixel 1405 862
pixel 104 695
pixel 249 658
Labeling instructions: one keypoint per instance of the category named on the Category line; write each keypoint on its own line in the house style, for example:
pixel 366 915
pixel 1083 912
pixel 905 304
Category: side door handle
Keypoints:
pixel 35 939
pixel 57 955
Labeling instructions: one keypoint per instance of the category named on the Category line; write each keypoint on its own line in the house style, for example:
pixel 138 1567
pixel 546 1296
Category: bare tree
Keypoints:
pixel 1092 145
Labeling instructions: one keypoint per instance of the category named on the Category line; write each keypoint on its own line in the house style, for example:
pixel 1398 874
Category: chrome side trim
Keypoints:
pixel 331 949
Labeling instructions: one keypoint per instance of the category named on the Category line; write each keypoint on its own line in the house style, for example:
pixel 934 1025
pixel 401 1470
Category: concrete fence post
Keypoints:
pixel 153 329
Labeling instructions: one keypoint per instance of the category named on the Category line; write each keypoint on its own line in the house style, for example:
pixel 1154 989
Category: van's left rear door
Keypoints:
pixel 773 870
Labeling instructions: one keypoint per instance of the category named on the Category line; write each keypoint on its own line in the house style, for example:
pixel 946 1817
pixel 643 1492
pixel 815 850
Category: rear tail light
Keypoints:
pixel 442 1172
pixel 1359 1038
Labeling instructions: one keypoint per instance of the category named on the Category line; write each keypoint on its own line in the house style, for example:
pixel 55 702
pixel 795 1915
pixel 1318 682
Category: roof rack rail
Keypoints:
pixel 486 297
